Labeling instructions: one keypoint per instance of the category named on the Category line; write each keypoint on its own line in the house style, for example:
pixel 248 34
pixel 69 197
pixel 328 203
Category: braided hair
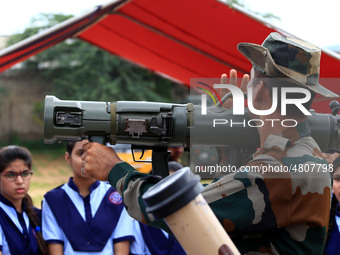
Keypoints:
pixel 9 154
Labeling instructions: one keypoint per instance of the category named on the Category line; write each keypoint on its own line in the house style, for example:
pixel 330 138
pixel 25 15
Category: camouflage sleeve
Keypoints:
pixel 257 199
pixel 239 199
pixel 132 184
pixel 248 201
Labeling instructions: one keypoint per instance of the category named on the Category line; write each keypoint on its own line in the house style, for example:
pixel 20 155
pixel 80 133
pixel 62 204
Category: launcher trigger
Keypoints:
pixel 142 148
pixel 133 154
pixel 141 156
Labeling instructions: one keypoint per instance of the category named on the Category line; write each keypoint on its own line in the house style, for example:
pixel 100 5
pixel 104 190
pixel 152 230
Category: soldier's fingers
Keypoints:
pixel 224 79
pixel 86 146
pixel 83 156
pixel 233 77
pixel 245 81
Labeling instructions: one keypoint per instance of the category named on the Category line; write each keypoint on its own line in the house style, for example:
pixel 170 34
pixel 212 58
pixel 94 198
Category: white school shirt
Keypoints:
pixel 52 231
pixel 139 247
pixel 11 212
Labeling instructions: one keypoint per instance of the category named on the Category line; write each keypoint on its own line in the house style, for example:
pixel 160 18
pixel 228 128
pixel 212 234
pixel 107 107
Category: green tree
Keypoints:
pixel 81 71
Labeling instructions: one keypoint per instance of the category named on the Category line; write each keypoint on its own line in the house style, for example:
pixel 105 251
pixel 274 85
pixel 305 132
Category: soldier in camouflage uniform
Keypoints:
pixel 264 211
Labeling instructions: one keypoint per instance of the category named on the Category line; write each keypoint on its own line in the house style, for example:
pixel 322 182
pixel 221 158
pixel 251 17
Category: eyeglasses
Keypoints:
pixel 12 176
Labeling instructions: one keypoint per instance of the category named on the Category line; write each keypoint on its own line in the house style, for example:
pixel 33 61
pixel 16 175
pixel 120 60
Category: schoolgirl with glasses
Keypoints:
pixel 20 231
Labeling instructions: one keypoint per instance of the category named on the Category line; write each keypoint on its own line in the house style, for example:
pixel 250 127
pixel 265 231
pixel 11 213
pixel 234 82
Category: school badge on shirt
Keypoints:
pixel 115 198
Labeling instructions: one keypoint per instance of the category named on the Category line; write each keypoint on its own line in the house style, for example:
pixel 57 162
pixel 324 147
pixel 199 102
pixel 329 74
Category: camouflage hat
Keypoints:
pixel 283 57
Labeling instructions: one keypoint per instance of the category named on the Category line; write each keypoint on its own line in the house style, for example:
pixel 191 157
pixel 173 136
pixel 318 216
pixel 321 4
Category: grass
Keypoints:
pixel 50 171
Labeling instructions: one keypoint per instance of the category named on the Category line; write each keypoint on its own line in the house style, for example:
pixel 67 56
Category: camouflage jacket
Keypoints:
pixel 278 203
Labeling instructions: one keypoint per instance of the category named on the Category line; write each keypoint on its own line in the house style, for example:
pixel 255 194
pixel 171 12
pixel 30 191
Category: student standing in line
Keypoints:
pixel 85 216
pixel 20 231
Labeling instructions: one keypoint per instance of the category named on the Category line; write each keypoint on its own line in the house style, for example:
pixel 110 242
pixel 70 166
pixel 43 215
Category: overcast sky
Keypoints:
pixel 316 21
pixel 15 15
pixel 311 20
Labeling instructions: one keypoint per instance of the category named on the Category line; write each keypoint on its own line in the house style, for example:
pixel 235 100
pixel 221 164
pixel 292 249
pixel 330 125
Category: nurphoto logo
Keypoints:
pixel 238 107
pixel 238 100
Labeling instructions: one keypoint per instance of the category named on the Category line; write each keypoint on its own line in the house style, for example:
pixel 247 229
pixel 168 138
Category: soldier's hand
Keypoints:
pixel 98 160
pixel 222 152
pixel 233 81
